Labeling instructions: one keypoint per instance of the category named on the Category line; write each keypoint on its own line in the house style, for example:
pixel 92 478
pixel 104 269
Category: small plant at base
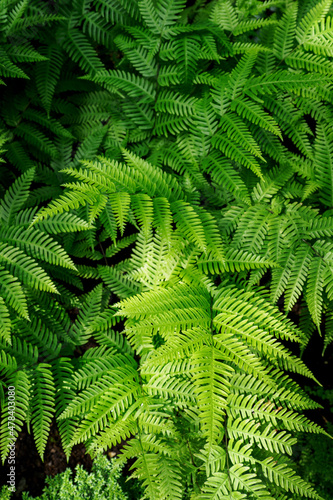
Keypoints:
pixel 100 484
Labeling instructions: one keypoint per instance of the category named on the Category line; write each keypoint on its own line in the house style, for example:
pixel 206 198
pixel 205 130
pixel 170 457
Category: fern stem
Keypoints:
pixel 226 452
pixel 315 251
pixel 288 55
pixel 193 463
pixel 103 253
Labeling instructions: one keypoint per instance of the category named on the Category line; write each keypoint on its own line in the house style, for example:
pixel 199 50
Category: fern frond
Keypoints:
pixel 64 223
pixel 25 268
pixel 5 321
pixel 80 50
pixel 323 160
pixel 311 62
pixel 134 85
pixel 175 103
pixel 285 32
pixel 119 283
pixel 42 405
pixel 37 244
pixel 224 15
pixel 250 110
pixel 252 407
pixel 314 16
pixel 211 386
pixel 12 292
pixel 235 260
pixel 281 79
pixel 242 479
pixel 187 51
pixel 268 438
pixel 48 74
pixel 286 477
pixel 112 403
pixel 236 130
pixel 319 40
pixel 298 275
pixel 20 380
pixel 16 196
pixel 236 152
pixel 314 290
pixel 169 12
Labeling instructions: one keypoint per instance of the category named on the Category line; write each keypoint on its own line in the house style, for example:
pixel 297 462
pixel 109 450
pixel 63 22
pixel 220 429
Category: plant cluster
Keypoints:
pixel 167 183
pixel 100 484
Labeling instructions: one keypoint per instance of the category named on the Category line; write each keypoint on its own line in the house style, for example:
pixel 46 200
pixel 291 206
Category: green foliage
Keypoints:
pixel 315 462
pixel 102 483
pixel 167 181
pixel 315 456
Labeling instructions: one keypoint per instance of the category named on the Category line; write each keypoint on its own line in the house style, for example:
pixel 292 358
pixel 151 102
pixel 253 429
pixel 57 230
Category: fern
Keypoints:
pixel 167 179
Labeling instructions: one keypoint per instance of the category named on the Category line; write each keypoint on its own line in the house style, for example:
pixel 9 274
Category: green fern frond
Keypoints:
pixel 42 404
pixel 242 479
pixel 314 290
pixel 311 62
pixel 25 268
pixel 37 244
pixel 119 283
pixel 323 161
pixel 236 152
pixel 48 73
pixel 5 320
pixel 314 16
pixel 255 114
pixel 268 438
pixel 77 45
pixel 235 260
pixel 19 379
pixel 285 477
pixel 285 33
pixel 236 130
pixel 186 51
pixel 16 196
pixel 319 40
pixel 224 15
pixel 298 275
pixel 12 292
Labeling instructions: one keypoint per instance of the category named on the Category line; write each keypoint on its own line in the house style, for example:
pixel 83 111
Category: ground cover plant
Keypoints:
pixel 166 203
pixel 101 483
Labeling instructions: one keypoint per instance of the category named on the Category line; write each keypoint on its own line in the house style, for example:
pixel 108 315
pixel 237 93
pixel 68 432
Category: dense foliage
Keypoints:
pixel 313 454
pixel 100 484
pixel 167 183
